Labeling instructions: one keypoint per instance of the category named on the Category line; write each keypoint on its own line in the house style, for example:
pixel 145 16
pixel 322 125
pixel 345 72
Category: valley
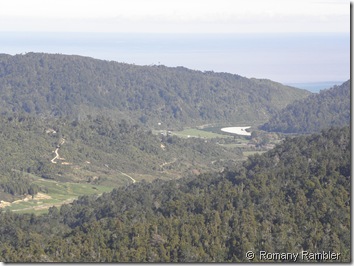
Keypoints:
pixel 300 178
pixel 103 161
pixel 71 178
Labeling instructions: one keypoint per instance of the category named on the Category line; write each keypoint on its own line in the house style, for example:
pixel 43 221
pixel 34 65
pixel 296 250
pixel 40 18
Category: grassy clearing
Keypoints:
pixel 56 194
pixel 233 145
pixel 249 153
pixel 198 133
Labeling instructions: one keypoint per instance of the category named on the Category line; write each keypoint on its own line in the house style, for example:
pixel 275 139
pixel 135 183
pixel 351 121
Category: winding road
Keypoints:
pixel 56 152
pixel 57 157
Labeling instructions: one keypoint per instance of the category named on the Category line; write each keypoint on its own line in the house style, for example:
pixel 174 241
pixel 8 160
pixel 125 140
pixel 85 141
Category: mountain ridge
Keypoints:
pixel 56 85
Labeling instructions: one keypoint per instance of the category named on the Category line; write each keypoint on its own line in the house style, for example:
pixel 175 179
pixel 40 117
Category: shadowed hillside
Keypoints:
pixel 329 108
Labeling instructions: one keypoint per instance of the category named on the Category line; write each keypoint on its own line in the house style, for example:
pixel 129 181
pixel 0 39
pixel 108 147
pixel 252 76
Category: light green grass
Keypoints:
pixel 59 193
pixel 249 153
pixel 198 133
pixel 233 145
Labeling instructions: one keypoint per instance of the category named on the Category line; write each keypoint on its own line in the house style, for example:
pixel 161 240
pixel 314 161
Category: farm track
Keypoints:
pixel 128 176
pixel 167 163
pixel 47 205
pixel 57 157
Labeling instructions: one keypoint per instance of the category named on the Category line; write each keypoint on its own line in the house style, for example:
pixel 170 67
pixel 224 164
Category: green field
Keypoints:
pixel 249 153
pixel 233 145
pixel 198 133
pixel 56 194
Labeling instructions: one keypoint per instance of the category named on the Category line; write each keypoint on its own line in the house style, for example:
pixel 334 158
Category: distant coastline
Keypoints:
pixel 279 57
pixel 315 86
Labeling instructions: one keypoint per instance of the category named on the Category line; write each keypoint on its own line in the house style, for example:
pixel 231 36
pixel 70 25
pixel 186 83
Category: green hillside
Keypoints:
pixel 59 85
pixel 329 108
pixel 97 151
pixel 292 199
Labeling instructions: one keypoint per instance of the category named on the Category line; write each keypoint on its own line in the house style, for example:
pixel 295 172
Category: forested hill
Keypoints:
pixel 54 84
pixel 328 108
pixel 293 198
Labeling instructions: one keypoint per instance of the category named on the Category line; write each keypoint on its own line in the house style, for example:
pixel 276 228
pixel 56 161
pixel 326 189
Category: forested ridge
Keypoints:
pixel 59 85
pixel 329 108
pixel 295 197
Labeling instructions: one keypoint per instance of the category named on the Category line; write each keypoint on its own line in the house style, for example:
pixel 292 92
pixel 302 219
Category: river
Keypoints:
pixel 237 130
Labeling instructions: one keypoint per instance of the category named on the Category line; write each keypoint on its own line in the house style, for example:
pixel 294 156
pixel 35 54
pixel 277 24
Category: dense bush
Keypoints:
pixel 329 108
pixel 295 197
pixel 59 85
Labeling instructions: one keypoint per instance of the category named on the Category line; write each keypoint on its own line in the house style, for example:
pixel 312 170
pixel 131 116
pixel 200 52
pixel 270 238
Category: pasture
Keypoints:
pixel 198 133
pixel 56 194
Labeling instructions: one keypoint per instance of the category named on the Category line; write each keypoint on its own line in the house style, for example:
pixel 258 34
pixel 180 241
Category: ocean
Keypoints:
pixel 316 87
pixel 311 61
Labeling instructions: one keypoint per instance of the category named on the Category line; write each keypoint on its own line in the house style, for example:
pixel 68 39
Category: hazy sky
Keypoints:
pixel 202 16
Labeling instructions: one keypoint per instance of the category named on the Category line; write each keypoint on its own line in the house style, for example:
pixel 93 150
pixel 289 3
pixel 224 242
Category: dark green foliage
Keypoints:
pixel 60 85
pixel 295 197
pixel 329 108
pixel 16 183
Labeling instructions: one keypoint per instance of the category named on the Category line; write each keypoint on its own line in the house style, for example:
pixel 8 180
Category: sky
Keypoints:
pixel 283 40
pixel 175 16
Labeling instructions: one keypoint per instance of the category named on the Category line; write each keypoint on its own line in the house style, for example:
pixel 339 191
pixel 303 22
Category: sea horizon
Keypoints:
pixel 315 87
pixel 311 61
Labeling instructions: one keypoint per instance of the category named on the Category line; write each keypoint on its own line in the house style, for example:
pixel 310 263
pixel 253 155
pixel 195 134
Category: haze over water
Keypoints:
pixel 320 59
